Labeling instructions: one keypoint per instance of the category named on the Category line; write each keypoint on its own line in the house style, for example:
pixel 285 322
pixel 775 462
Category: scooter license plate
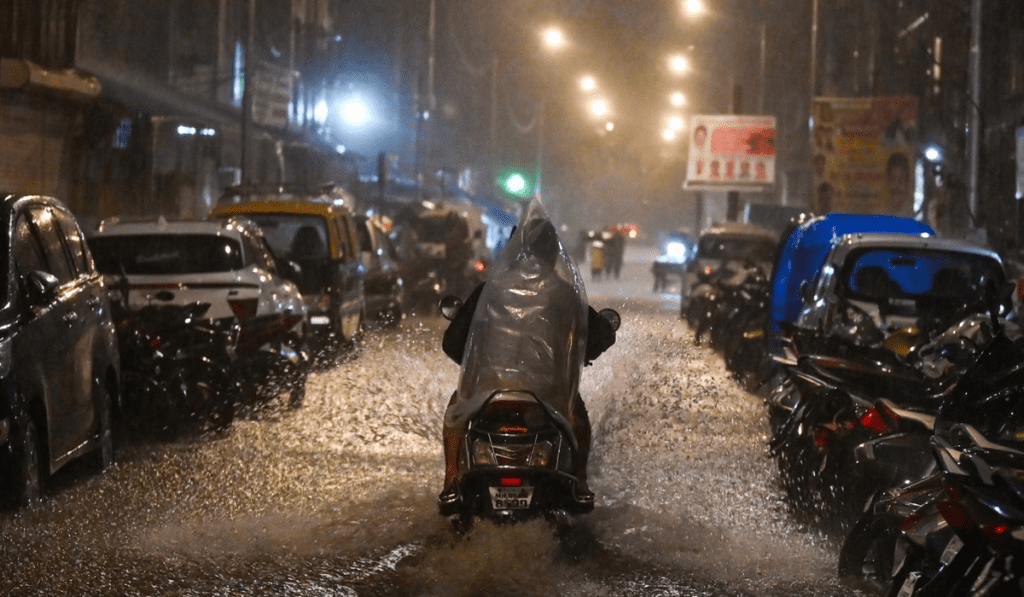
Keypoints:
pixel 511 498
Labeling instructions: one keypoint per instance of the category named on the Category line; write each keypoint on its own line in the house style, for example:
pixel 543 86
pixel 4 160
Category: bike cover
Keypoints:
pixel 528 331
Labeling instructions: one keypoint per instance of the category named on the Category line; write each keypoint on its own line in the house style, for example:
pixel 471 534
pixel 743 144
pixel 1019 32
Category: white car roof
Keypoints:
pixel 229 227
pixel 910 241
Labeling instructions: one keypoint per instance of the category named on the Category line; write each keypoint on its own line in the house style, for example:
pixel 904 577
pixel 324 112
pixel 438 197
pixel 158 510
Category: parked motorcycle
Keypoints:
pixel 177 366
pixel 968 536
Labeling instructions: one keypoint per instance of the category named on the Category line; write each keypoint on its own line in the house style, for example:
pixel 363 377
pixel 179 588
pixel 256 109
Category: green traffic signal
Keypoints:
pixel 516 183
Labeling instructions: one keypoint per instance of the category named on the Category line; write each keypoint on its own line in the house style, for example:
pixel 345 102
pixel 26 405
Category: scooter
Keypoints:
pixel 516 429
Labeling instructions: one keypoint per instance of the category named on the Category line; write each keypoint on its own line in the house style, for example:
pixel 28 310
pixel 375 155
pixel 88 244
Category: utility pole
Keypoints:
pixel 974 109
pixel 247 88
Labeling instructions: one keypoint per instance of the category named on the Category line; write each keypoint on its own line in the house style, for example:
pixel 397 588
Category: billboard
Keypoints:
pixel 864 150
pixel 731 153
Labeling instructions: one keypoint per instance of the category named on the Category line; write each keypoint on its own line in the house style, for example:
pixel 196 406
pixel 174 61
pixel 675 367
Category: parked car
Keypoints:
pixel 874 285
pixel 314 229
pixel 226 264
pixel 383 285
pixel 730 241
pixel 59 368
pixel 802 251
pixel 441 253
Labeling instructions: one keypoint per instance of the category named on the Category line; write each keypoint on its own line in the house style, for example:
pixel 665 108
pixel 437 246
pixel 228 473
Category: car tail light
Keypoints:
pixel 479 266
pixel 243 308
pixel 511 482
pixel 708 270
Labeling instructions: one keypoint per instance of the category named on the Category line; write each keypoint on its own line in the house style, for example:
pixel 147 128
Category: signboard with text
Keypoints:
pixel 863 156
pixel 731 153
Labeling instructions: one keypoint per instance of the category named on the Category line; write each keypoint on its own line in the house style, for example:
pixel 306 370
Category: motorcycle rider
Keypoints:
pixel 541 242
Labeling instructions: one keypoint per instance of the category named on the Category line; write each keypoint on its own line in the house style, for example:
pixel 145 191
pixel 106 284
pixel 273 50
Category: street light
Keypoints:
pixel 588 83
pixel 693 8
pixel 679 64
pixel 553 38
pixel 677 99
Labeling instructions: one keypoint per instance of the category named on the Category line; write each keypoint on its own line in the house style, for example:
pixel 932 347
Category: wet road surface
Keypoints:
pixel 338 497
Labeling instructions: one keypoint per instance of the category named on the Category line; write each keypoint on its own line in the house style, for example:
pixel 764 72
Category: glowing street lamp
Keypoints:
pixel 675 123
pixel 677 99
pixel 668 135
pixel 693 8
pixel 588 83
pixel 355 112
pixel 599 107
pixel 679 64
pixel 553 38
pixel 609 126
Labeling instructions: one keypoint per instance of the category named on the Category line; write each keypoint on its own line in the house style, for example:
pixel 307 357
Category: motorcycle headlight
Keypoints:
pixel 542 454
pixel 483 455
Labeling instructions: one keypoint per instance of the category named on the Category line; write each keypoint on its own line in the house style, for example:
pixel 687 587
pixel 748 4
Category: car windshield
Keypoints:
pixel 431 229
pixel 298 237
pixel 736 247
pixel 161 254
pixel 301 239
pixel 880 274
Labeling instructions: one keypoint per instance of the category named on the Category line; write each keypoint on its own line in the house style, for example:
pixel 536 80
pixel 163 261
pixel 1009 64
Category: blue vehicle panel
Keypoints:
pixel 804 250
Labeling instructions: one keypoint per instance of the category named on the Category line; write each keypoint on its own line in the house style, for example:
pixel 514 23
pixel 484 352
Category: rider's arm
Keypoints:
pixel 453 343
pixel 600 335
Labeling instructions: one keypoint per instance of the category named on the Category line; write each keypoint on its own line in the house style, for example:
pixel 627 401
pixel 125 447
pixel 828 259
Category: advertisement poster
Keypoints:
pixel 864 154
pixel 731 153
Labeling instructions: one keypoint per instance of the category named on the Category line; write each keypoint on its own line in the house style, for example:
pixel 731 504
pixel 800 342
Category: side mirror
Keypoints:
pixel 612 316
pixel 450 305
pixel 289 270
pixel 807 292
pixel 41 287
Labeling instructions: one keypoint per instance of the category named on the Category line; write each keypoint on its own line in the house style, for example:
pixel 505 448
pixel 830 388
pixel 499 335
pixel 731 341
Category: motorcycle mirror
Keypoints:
pixel 449 306
pixel 807 292
pixel 612 316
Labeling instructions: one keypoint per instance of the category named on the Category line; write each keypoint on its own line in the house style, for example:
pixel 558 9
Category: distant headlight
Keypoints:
pixel 676 251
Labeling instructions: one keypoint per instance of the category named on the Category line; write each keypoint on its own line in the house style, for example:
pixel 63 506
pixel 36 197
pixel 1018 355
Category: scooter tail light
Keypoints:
pixel 155 343
pixel 822 437
pixel 479 266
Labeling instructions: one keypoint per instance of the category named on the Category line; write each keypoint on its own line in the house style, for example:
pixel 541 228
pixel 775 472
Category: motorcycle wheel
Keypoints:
pixel 868 549
pixel 222 416
pixel 165 416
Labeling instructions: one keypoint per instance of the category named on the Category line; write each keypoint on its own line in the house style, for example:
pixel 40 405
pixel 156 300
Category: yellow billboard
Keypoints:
pixel 863 154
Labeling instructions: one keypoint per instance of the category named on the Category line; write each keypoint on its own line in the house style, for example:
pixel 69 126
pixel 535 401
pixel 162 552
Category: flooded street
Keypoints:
pixel 338 497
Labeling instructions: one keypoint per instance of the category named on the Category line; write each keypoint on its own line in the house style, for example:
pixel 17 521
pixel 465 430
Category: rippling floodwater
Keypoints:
pixel 338 497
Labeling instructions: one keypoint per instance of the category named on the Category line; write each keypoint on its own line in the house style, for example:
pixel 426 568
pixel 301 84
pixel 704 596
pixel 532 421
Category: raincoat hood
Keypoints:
pixel 528 332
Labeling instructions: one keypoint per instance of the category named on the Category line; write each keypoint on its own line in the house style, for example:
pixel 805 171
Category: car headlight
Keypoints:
pixel 483 455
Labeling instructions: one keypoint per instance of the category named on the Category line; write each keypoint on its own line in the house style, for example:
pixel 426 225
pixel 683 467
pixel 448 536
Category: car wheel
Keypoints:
pixel 103 455
pixel 28 474
pixel 351 327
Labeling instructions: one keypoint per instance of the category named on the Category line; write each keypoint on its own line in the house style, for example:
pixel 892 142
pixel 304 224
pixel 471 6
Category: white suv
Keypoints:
pixel 226 263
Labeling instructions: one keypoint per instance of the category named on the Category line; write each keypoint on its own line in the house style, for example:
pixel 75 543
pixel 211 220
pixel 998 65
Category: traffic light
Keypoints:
pixel 516 183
